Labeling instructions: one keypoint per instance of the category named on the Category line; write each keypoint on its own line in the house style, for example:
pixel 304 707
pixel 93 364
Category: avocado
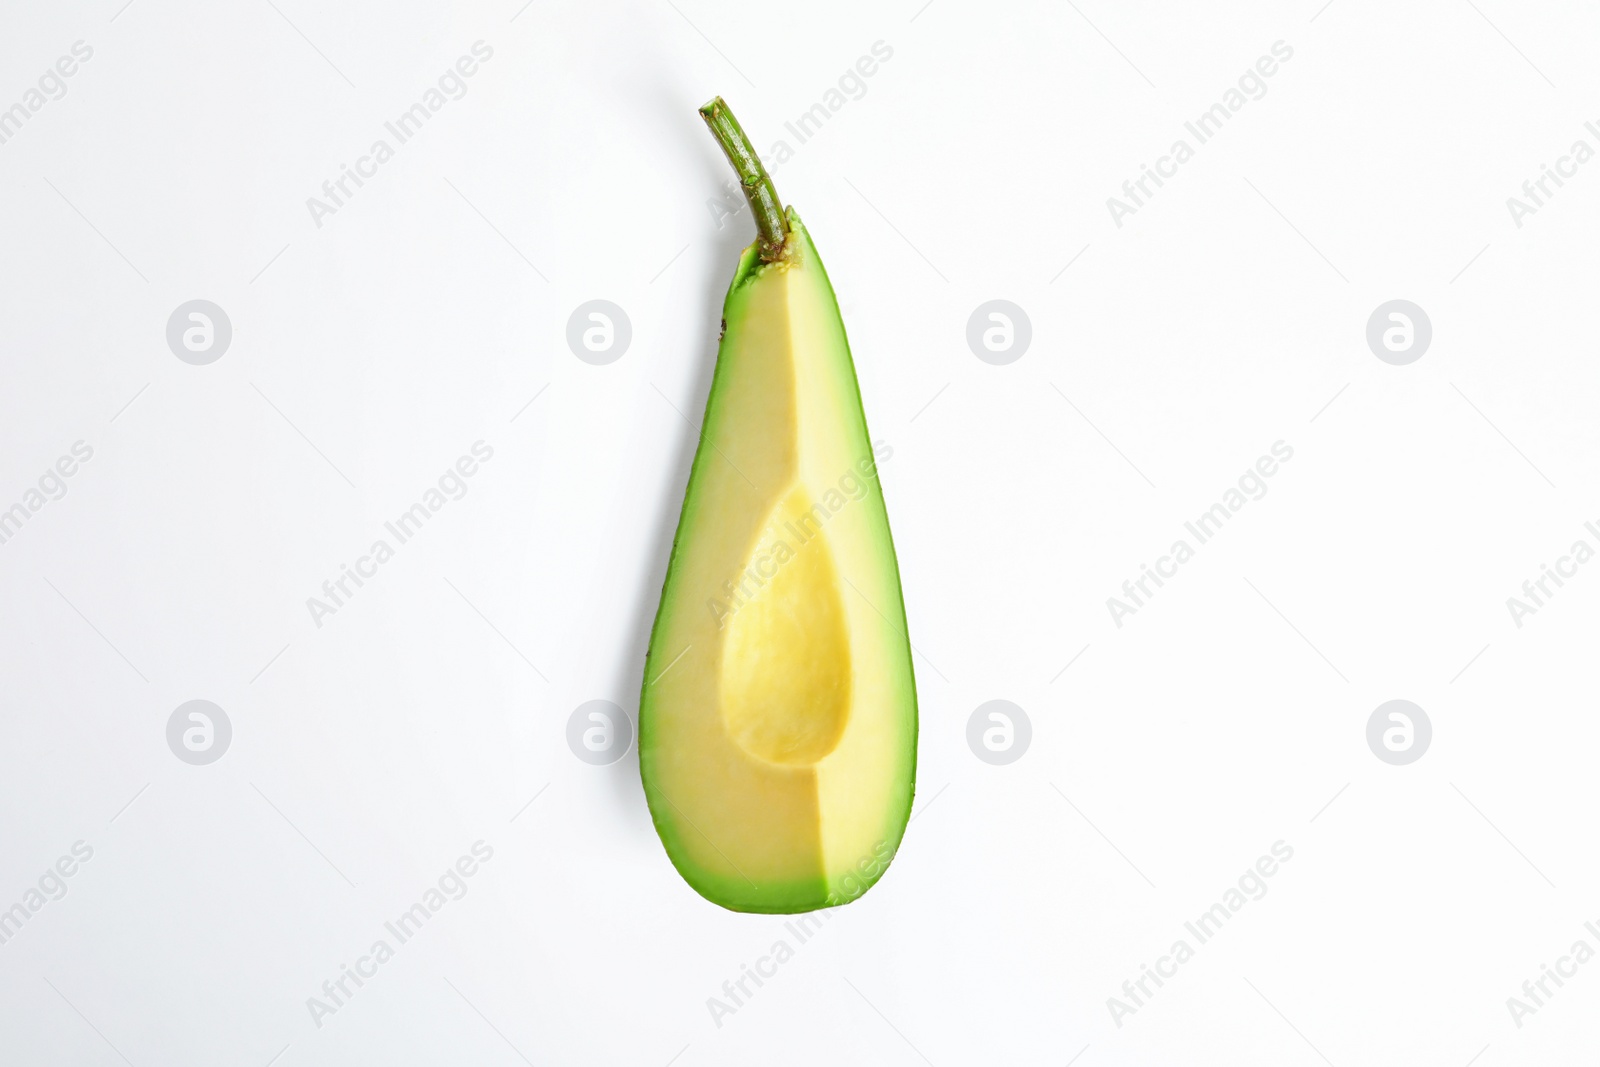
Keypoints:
pixel 778 720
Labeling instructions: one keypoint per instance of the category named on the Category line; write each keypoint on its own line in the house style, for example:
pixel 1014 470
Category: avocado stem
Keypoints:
pixel 753 178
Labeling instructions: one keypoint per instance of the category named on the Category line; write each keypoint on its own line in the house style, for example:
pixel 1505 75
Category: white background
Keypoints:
pixel 368 354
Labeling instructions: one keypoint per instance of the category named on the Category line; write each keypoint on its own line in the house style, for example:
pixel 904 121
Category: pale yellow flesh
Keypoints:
pixel 781 743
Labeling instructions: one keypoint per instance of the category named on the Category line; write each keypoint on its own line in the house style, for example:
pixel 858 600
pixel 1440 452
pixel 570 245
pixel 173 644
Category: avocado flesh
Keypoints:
pixel 777 726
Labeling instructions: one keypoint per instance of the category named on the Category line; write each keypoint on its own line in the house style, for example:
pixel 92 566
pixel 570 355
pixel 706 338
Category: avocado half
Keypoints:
pixel 778 720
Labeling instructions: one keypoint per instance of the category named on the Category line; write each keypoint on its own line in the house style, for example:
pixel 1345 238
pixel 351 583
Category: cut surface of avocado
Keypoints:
pixel 778 724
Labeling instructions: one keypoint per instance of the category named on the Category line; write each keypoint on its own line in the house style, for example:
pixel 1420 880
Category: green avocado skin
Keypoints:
pixel 685 842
